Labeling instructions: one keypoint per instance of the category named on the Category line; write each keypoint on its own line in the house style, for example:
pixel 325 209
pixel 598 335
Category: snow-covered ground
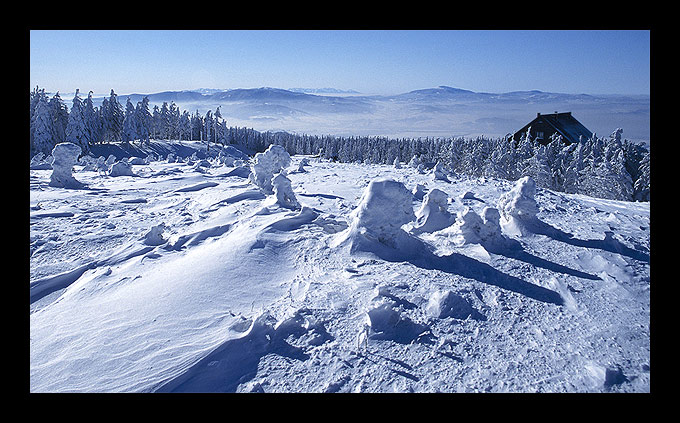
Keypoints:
pixel 190 279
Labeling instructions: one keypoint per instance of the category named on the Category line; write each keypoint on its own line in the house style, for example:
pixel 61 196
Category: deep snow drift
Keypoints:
pixel 187 278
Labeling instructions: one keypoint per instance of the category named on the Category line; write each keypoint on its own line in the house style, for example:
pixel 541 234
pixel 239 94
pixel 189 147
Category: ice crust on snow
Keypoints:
pixel 64 157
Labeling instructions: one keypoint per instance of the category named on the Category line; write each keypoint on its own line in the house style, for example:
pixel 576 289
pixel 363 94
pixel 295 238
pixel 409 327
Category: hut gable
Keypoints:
pixel 544 126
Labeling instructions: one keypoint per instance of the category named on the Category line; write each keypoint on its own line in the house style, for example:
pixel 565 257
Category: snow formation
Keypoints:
pixel 285 197
pixel 189 281
pixel 433 214
pixel 518 207
pixel 385 206
pixel 121 168
pixel 266 165
pixel 64 157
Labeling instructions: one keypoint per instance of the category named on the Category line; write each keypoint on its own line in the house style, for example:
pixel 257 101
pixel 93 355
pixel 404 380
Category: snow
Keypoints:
pixel 64 156
pixel 266 165
pixel 192 279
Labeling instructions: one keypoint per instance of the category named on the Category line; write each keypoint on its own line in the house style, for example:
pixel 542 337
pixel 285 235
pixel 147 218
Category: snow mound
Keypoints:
pixel 40 162
pixel 445 303
pixel 137 161
pixel 155 235
pixel 419 191
pixel 266 165
pixel 439 174
pixel 285 197
pixel 518 207
pixel 376 225
pixel 64 157
pixel 433 214
pixel 121 168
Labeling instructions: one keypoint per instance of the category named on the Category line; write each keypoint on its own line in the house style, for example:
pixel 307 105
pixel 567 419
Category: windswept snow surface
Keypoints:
pixel 183 279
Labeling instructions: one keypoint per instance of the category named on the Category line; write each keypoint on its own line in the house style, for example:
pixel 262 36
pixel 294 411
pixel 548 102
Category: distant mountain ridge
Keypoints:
pixel 439 111
pixel 442 92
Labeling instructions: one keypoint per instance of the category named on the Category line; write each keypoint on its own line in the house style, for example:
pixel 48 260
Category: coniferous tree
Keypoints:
pixel 129 122
pixel 185 126
pixel 208 126
pixel 143 120
pixel 76 129
pixel 112 119
pixel 92 121
pixel 642 184
pixel 42 126
pixel 59 113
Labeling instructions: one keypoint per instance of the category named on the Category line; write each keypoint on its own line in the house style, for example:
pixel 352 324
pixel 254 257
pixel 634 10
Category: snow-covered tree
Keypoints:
pixel 642 184
pixel 92 120
pixel 143 120
pixel 42 128
pixel 76 130
pixel 185 126
pixel 112 119
pixel 59 114
pixel 129 122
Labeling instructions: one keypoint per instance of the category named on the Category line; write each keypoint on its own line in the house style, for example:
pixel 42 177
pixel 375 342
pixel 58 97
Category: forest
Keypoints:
pixel 608 167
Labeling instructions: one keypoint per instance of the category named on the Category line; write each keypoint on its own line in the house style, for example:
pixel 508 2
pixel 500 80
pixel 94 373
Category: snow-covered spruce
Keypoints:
pixel 64 157
pixel 433 214
pixel 266 165
pixel 285 197
pixel 518 207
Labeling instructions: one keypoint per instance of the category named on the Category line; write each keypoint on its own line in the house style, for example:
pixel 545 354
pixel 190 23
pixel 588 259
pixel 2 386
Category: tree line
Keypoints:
pixel 85 124
pixel 604 167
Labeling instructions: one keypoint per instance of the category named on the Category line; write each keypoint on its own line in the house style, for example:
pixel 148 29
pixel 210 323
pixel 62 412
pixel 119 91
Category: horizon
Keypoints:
pixel 382 62
pixel 342 92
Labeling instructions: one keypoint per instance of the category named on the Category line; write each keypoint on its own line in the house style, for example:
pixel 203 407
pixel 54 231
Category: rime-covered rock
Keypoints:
pixel 468 227
pixel 40 162
pixel 64 157
pixel 155 235
pixel 110 160
pixel 491 228
pixel 137 161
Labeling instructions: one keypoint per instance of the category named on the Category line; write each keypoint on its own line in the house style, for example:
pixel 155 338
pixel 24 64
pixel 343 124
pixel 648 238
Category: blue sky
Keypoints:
pixel 371 62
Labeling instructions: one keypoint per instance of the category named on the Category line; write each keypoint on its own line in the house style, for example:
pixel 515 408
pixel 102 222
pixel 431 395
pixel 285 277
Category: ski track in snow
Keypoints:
pixel 241 295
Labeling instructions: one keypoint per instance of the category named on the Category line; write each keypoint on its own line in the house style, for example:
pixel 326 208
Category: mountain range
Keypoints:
pixel 443 111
